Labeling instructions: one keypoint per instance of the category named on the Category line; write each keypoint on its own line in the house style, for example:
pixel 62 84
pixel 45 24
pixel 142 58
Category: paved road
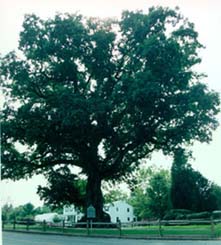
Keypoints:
pixel 10 238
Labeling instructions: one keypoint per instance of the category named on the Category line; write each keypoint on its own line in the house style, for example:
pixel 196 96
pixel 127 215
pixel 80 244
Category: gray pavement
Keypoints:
pixel 11 238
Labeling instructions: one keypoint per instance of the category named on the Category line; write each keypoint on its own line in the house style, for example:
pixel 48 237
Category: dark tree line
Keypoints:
pixel 160 193
pixel 190 190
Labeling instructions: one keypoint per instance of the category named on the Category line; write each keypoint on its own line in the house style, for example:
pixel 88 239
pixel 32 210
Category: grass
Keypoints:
pixel 203 231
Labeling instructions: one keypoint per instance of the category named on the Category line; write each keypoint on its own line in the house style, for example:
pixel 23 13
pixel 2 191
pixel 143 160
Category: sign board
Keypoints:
pixel 91 212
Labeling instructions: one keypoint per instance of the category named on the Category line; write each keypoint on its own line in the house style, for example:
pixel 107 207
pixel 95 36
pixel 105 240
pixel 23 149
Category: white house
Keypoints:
pixel 48 217
pixel 120 211
pixel 71 213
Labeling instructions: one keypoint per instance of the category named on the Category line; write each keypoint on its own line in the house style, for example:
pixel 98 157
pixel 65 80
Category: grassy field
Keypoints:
pixel 192 230
pixel 204 231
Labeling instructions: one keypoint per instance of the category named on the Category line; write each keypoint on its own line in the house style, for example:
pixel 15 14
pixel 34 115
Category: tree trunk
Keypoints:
pixel 94 196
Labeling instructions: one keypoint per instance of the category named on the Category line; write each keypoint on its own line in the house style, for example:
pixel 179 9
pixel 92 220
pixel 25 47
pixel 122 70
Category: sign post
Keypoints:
pixel 91 214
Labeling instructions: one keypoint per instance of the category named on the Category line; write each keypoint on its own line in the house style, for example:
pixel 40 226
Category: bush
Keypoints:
pixel 174 214
pixel 57 219
pixel 202 215
pixel 216 214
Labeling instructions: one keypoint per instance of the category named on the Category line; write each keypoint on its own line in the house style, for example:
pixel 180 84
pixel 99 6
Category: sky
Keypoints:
pixel 206 16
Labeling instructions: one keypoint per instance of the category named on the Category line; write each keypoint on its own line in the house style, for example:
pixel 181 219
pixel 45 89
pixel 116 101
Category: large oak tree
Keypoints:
pixel 102 94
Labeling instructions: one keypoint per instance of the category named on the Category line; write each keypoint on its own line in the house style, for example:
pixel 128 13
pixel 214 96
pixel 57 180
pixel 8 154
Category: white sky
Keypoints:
pixel 206 14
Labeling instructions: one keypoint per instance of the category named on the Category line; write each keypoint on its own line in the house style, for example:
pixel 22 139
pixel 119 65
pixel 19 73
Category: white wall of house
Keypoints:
pixel 48 217
pixel 71 213
pixel 120 211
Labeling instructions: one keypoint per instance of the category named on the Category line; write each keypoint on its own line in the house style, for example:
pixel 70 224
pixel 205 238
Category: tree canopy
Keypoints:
pixel 190 189
pixel 102 94
pixel 26 211
pixel 115 194
pixel 150 195
pixel 158 194
pixel 63 188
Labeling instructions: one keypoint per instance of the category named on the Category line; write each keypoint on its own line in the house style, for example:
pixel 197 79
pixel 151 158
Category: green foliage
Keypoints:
pixel 22 212
pixel 158 193
pixel 7 210
pixel 140 177
pixel 216 192
pixel 201 215
pixel 139 201
pixel 190 190
pixel 137 183
pixel 25 212
pixel 57 219
pixel 150 196
pixel 113 193
pixel 174 214
pixel 216 214
pixel 43 209
pixel 28 209
pixel 64 188
pixel 81 84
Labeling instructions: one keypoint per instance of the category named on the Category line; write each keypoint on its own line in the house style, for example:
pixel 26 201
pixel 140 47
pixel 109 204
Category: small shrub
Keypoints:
pixel 56 219
pixel 216 214
pixel 202 215
pixel 174 214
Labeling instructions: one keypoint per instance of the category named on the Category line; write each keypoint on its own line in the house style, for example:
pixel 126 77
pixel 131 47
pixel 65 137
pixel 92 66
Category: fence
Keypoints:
pixel 182 229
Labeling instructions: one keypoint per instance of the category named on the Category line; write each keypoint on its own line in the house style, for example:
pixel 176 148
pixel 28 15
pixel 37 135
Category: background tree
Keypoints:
pixel 150 196
pixel 42 210
pixel 190 190
pixel 82 85
pixel 139 201
pixel 113 192
pixel 7 209
pixel 139 178
pixel 158 192
pixel 26 211
pixel 216 191
pixel 115 195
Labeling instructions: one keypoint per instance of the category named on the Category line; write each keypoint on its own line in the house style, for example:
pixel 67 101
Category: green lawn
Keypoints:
pixel 147 231
pixel 189 230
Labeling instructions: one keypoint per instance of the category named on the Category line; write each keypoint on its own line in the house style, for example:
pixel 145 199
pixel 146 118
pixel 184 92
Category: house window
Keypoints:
pixel 128 210
pixel 117 209
pixel 128 219
pixel 117 219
